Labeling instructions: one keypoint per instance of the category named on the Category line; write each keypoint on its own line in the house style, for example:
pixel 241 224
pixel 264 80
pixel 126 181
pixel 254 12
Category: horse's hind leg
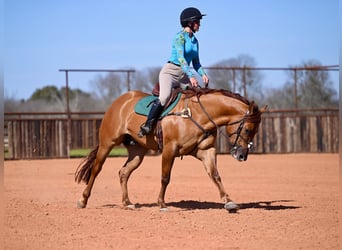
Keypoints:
pixel 136 154
pixel 101 156
pixel 208 157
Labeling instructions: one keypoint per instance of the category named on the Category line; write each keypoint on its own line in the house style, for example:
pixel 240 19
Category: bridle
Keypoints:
pixel 254 118
pixel 234 146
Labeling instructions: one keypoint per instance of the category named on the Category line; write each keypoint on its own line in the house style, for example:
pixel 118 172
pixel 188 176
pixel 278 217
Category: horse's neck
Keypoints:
pixel 223 109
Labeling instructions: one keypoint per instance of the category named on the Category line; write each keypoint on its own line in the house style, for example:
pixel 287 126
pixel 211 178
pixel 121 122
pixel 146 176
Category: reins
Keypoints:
pixel 186 114
pixel 254 118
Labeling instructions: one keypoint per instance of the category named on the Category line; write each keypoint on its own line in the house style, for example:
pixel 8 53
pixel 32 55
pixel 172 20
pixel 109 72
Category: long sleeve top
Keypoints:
pixel 185 50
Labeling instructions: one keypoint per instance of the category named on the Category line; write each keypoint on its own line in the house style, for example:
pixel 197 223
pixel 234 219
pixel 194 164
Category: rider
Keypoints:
pixel 176 72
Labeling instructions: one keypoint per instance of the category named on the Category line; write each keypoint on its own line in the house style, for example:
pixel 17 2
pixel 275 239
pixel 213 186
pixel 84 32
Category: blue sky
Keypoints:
pixel 42 37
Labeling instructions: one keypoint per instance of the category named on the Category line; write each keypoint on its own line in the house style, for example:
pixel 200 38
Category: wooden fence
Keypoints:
pixel 42 135
pixel 295 132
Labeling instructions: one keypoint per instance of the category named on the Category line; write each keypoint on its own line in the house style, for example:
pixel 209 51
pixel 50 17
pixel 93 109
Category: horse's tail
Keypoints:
pixel 83 171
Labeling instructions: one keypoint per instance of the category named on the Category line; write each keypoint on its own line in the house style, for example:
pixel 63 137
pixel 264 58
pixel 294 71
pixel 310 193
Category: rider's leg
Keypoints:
pixel 170 76
pixel 152 117
pixel 165 83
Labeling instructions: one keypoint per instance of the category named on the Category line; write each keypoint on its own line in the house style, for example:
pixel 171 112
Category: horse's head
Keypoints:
pixel 241 132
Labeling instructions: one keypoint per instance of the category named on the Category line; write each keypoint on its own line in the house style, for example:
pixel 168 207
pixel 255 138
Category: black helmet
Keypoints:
pixel 190 14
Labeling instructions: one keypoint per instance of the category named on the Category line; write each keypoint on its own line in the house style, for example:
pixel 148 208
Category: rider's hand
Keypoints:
pixel 205 80
pixel 194 82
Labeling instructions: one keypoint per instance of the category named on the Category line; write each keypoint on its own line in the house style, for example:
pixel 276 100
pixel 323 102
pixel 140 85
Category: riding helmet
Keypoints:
pixel 190 14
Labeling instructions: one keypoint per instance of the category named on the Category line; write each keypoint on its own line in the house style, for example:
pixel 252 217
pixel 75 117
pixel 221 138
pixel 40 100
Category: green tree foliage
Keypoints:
pixel 50 94
pixel 52 99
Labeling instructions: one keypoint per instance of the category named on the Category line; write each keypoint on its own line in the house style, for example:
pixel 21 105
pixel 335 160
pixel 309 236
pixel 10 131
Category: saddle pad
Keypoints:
pixel 143 106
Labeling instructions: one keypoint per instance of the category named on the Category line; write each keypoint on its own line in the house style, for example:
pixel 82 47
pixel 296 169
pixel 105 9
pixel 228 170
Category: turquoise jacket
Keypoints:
pixel 185 51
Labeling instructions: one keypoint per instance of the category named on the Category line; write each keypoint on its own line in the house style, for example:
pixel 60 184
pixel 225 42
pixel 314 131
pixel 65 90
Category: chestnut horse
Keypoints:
pixel 190 129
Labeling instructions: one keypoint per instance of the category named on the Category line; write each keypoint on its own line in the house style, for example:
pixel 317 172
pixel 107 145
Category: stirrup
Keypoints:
pixel 141 134
pixel 144 130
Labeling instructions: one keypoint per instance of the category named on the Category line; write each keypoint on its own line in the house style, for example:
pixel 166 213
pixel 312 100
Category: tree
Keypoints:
pixel 112 85
pixel 279 98
pixel 52 99
pixel 109 87
pixel 246 81
pixel 313 89
pixel 12 105
pixel 48 93
pixel 146 79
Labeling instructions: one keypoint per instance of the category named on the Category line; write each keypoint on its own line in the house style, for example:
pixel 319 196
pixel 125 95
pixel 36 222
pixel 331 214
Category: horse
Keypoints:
pixel 191 128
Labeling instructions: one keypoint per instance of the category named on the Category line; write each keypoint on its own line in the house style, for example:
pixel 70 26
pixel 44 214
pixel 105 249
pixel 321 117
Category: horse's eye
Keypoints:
pixel 247 131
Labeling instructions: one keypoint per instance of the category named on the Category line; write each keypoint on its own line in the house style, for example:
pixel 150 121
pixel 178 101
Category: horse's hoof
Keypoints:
pixel 80 204
pixel 130 206
pixel 232 207
pixel 163 209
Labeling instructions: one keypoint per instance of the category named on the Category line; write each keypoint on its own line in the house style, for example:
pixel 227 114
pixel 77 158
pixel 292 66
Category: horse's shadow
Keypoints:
pixel 265 205
pixel 193 205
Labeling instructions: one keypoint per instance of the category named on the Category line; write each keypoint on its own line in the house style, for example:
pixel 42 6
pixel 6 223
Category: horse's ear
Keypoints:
pixel 251 107
pixel 264 109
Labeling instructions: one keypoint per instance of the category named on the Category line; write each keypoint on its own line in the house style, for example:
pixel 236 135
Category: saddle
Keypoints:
pixel 142 107
pixel 173 95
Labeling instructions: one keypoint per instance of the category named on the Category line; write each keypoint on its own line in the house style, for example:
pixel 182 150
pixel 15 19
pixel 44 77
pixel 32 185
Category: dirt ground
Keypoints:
pixel 287 202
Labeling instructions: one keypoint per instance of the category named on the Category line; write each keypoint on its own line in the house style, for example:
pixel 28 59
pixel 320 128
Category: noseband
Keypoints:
pixel 253 118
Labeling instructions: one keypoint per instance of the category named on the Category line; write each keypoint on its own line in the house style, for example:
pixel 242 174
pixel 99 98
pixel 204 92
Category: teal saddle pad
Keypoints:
pixel 144 105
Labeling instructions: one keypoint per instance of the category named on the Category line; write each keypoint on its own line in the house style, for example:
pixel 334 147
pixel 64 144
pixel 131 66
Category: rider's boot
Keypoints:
pixel 152 117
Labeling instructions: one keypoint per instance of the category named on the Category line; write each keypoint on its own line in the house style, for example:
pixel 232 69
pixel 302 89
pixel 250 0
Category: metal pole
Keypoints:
pixel 244 81
pixel 234 81
pixel 295 89
pixel 68 113
pixel 128 81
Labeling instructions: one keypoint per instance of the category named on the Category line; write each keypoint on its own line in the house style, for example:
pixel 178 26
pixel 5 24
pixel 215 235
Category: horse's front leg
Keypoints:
pixel 167 163
pixel 209 159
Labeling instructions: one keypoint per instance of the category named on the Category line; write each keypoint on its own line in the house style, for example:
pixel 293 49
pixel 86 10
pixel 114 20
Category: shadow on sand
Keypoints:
pixel 266 205
pixel 192 205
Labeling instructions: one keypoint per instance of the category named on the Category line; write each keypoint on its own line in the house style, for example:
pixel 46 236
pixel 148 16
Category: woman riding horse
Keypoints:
pixel 183 133
pixel 176 72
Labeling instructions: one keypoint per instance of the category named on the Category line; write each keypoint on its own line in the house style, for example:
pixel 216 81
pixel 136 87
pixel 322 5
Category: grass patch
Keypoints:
pixel 6 153
pixel 82 152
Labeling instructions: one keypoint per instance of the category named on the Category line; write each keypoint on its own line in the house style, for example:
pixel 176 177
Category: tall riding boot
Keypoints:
pixel 152 117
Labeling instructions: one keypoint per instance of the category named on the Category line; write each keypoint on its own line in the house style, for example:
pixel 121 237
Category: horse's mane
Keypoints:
pixel 190 92
pixel 255 116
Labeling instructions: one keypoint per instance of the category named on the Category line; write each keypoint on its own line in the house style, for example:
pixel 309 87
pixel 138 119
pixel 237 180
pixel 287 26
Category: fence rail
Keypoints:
pixel 42 135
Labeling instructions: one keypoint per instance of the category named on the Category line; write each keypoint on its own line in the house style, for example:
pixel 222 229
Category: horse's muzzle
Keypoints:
pixel 240 153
